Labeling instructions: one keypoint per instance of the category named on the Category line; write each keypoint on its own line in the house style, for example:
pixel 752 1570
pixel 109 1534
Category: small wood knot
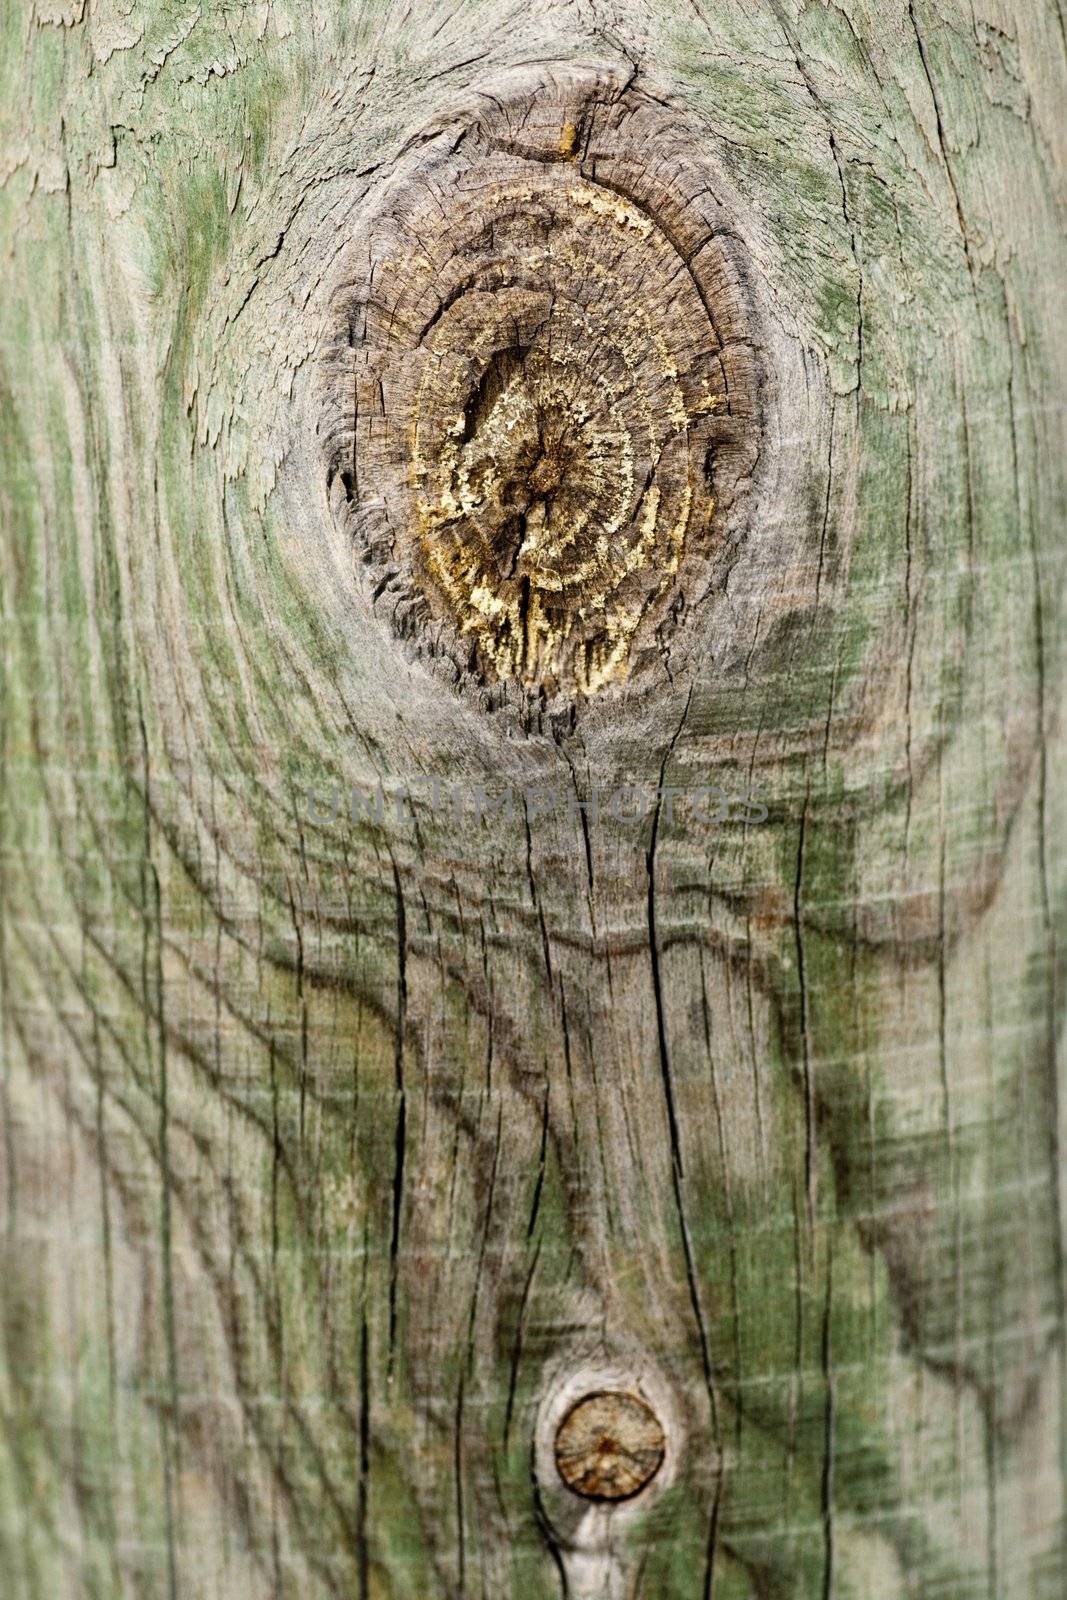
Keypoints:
pixel 609 1446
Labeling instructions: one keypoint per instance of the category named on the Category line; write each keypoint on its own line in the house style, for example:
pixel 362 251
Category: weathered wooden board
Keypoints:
pixel 378 1077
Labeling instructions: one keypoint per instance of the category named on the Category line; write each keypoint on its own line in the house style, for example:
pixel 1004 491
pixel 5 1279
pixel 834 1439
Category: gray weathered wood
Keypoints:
pixel 340 1157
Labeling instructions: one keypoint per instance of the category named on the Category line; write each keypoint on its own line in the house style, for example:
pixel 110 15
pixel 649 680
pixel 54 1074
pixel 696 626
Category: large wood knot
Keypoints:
pixel 555 392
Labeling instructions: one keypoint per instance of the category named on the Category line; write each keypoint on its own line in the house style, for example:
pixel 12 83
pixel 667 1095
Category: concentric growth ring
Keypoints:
pixel 555 393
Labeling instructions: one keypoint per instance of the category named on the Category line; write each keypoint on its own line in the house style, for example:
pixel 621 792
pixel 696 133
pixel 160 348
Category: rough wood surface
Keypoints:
pixel 410 1028
pixel 556 384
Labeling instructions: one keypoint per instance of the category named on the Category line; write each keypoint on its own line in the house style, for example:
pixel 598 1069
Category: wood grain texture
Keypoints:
pixel 346 1146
